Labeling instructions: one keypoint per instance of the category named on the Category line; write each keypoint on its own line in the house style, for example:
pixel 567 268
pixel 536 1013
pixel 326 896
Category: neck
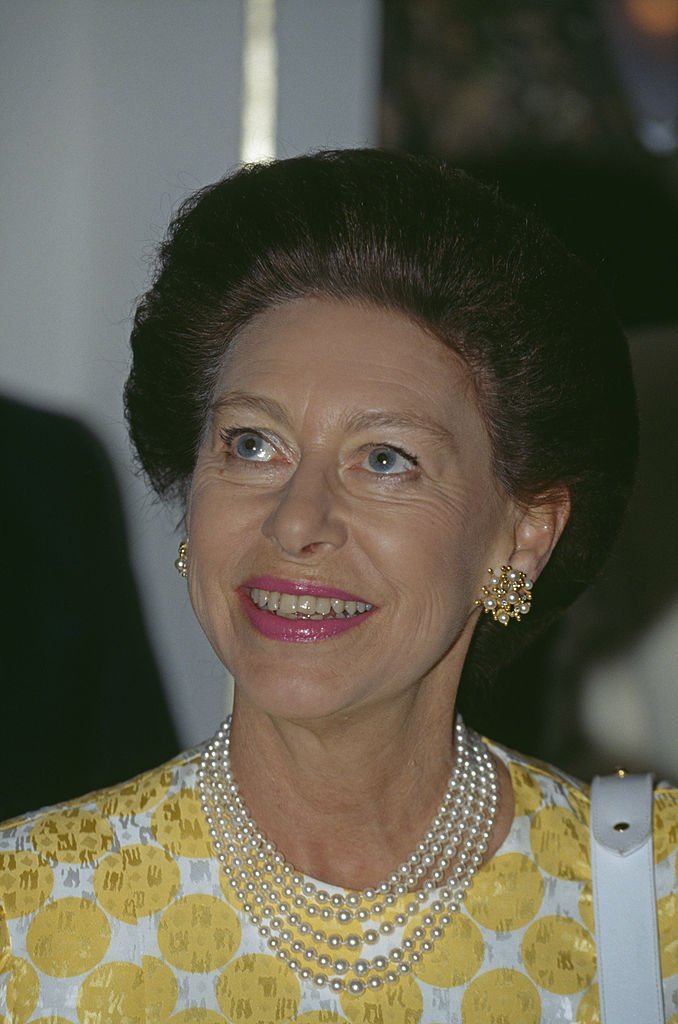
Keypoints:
pixel 347 799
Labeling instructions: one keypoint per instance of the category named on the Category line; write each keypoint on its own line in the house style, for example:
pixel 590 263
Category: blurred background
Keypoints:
pixel 111 114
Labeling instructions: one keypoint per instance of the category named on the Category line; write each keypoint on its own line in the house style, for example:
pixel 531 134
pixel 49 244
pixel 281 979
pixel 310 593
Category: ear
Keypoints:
pixel 537 530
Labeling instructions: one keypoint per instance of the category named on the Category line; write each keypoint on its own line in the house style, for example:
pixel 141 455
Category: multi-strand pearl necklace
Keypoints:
pixel 324 936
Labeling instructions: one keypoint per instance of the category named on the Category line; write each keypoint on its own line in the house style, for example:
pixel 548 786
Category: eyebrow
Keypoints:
pixel 369 420
pixel 362 420
pixel 254 403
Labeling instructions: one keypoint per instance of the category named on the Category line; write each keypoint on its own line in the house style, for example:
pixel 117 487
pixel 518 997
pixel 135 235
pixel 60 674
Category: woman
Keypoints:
pixel 368 380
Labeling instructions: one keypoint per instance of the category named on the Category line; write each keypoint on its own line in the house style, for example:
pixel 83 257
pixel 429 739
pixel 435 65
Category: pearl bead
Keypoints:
pixel 272 890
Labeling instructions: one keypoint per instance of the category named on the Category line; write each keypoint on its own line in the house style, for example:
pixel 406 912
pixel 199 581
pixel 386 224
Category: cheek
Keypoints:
pixel 439 550
pixel 414 551
pixel 216 513
pixel 212 540
pixel 203 590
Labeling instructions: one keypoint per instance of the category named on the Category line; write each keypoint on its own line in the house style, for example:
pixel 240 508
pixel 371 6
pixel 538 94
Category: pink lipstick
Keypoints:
pixel 298 587
pixel 296 611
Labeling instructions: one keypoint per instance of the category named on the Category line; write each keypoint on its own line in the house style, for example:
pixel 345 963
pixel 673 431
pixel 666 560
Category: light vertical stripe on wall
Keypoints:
pixel 260 82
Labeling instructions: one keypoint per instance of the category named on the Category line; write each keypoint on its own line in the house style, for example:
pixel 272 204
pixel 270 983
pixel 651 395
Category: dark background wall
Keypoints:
pixel 572 108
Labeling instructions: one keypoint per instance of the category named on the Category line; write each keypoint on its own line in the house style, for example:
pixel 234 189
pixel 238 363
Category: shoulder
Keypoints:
pixel 154 807
pixel 551 797
pixel 96 893
pixel 538 786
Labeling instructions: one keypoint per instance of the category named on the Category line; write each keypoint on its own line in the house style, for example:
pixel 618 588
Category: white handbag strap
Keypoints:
pixel 624 900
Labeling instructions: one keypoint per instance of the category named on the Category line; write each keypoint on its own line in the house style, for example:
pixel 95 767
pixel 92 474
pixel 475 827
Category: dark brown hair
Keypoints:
pixel 545 351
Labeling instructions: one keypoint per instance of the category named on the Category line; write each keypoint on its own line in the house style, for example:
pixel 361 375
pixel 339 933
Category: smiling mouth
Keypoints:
pixel 306 606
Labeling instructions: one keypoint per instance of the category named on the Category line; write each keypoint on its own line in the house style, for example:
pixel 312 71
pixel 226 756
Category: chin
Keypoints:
pixel 294 695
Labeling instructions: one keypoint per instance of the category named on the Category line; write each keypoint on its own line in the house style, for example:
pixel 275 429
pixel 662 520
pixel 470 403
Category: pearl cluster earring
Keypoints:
pixel 181 563
pixel 507 596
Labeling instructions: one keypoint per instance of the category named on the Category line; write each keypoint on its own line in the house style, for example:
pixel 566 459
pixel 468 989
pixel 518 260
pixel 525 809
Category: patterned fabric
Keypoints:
pixel 113 911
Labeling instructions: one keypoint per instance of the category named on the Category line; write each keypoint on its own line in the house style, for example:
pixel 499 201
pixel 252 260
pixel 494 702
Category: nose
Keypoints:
pixel 306 518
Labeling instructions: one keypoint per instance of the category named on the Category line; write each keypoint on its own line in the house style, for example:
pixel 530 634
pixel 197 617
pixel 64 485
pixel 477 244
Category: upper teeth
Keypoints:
pixel 293 606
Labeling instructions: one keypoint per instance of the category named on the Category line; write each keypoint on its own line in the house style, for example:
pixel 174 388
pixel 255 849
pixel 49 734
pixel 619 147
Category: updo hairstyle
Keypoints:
pixel 547 356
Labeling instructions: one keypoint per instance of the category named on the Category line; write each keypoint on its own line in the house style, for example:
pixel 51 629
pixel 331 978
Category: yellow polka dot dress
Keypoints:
pixel 113 911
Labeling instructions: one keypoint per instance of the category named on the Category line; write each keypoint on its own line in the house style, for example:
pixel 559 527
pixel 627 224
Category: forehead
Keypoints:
pixel 342 352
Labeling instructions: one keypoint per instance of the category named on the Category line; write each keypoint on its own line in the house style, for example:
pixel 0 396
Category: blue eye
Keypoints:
pixel 389 461
pixel 253 447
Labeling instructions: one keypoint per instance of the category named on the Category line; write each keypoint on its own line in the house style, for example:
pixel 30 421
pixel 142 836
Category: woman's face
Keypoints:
pixel 343 510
